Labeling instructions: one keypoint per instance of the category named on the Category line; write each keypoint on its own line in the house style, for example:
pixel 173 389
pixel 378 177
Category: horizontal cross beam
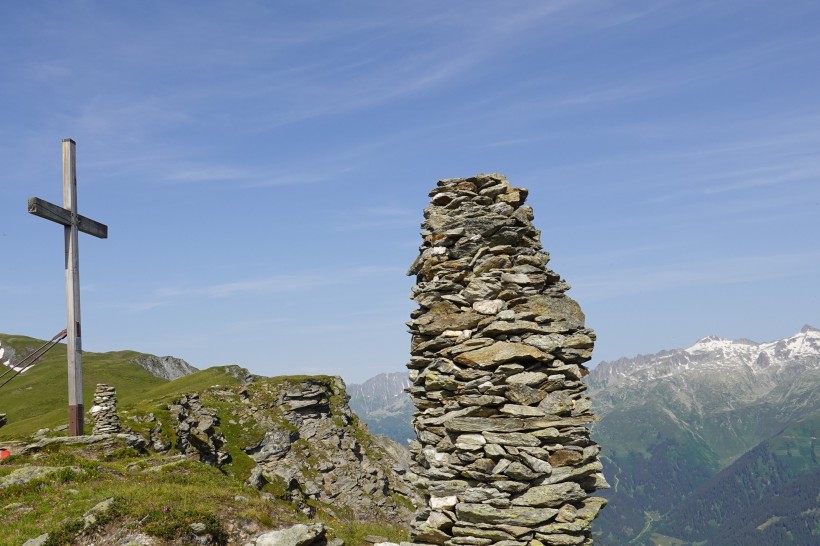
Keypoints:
pixel 52 212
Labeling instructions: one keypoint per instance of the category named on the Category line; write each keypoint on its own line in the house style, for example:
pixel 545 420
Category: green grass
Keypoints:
pixel 39 398
pixel 161 495
pixel 195 382
pixel 355 533
pixel 161 500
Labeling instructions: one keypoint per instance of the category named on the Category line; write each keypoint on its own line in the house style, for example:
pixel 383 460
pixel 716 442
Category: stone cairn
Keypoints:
pixel 496 368
pixel 104 410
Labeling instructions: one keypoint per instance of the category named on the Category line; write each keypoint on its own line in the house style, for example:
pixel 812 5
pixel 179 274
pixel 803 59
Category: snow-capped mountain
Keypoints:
pixel 382 403
pixel 746 369
pixel 379 392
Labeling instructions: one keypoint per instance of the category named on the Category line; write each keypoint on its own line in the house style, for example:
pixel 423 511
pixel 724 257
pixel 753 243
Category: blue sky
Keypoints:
pixel 263 167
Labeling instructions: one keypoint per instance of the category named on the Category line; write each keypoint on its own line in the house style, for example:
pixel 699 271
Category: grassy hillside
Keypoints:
pixel 171 495
pixel 39 398
pixel 158 495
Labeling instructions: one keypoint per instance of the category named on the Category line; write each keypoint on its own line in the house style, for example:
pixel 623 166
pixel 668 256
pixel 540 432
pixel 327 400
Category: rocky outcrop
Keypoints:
pixel 194 425
pixel 105 442
pixel 311 446
pixel 294 439
pixel 498 354
pixel 104 410
pixel 26 474
pixel 166 367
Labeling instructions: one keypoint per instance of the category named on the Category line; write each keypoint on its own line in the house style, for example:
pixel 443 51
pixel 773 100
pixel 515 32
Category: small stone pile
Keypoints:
pixel 194 426
pixel 497 365
pixel 104 410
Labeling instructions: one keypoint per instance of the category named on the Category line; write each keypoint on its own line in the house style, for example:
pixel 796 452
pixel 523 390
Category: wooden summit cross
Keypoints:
pixel 73 222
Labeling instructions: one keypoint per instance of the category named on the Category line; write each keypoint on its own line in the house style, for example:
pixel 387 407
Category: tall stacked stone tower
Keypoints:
pixel 497 361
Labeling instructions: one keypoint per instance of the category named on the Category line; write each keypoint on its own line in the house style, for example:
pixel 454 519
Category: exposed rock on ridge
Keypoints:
pixel 310 446
pixel 166 367
pixel 195 426
pixel 294 439
pixel 496 366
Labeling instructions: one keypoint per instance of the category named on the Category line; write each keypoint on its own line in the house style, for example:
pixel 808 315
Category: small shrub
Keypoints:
pixel 65 534
pixel 65 475
pixel 171 524
pixel 122 453
pixel 59 458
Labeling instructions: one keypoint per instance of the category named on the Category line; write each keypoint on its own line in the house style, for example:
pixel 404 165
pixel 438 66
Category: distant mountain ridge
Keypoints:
pixel 676 427
pixel 165 367
pixel 719 380
pixel 715 353
pixel 382 403
pixel 379 392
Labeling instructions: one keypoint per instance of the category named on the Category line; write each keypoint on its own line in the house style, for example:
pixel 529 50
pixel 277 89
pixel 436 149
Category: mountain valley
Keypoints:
pixel 711 444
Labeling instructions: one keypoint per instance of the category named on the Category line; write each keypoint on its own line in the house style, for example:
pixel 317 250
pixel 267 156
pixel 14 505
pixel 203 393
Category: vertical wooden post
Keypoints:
pixel 73 223
pixel 72 284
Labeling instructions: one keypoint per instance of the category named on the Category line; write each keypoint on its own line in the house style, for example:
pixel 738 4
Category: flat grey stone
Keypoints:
pixel 298 535
pixel 37 541
pixel 551 495
pixel 514 515
pixel 501 352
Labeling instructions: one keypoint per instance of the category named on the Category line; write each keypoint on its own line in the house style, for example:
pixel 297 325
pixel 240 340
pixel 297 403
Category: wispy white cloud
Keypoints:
pixel 128 307
pixel 376 217
pixel 650 82
pixel 511 142
pixel 48 72
pixel 269 285
pixel 126 118
pixel 321 166
pixel 681 163
pixel 275 284
pixel 765 177
pixel 359 74
pixel 203 173
pixel 720 271
pixel 355 75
